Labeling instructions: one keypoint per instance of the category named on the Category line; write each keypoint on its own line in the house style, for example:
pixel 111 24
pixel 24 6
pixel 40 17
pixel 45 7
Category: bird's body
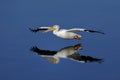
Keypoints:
pixel 65 33
pixel 66 51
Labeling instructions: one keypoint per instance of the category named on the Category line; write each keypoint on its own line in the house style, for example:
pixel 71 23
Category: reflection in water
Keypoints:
pixel 69 52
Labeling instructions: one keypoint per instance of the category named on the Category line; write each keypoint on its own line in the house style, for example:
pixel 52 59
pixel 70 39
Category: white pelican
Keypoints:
pixel 64 33
pixel 69 52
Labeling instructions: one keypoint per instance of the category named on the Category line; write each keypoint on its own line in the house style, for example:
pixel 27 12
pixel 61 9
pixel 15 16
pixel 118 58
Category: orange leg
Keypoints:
pixel 77 37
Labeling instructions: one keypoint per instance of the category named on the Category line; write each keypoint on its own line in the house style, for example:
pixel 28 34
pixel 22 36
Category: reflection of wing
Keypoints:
pixel 65 48
pixel 85 59
pixel 38 29
pixel 82 29
pixel 43 52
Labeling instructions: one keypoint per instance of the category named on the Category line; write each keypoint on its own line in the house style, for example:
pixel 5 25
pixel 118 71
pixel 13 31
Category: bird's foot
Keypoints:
pixel 77 37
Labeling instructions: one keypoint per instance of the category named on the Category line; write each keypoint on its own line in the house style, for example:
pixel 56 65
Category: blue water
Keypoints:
pixel 17 62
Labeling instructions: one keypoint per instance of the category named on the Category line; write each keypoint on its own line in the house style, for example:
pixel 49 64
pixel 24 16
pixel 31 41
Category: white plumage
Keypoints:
pixel 64 33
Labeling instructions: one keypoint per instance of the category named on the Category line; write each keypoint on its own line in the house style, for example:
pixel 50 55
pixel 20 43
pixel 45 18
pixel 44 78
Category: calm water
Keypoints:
pixel 17 62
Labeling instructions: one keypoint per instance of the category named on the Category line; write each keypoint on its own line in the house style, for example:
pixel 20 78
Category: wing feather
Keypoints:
pixel 85 30
pixel 38 29
pixel 85 59
pixel 43 52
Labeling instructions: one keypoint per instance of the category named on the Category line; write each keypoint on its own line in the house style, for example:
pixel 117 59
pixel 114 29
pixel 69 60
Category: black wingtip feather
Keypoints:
pixel 92 31
pixel 34 30
pixel 43 52
pixel 35 49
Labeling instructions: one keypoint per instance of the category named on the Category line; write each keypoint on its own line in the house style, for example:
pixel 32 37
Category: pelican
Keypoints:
pixel 64 33
pixel 69 52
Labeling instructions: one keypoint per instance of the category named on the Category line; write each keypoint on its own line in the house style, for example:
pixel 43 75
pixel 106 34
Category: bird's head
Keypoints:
pixel 55 27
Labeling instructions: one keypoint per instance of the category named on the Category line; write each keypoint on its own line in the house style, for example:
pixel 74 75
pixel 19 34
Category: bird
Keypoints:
pixel 69 52
pixel 67 34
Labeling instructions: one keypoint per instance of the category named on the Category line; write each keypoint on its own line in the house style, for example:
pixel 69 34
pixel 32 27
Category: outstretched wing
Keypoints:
pixel 38 29
pixel 85 59
pixel 82 29
pixel 43 52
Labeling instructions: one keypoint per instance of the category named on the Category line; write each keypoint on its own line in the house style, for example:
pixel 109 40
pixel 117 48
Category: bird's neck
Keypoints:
pixel 55 31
